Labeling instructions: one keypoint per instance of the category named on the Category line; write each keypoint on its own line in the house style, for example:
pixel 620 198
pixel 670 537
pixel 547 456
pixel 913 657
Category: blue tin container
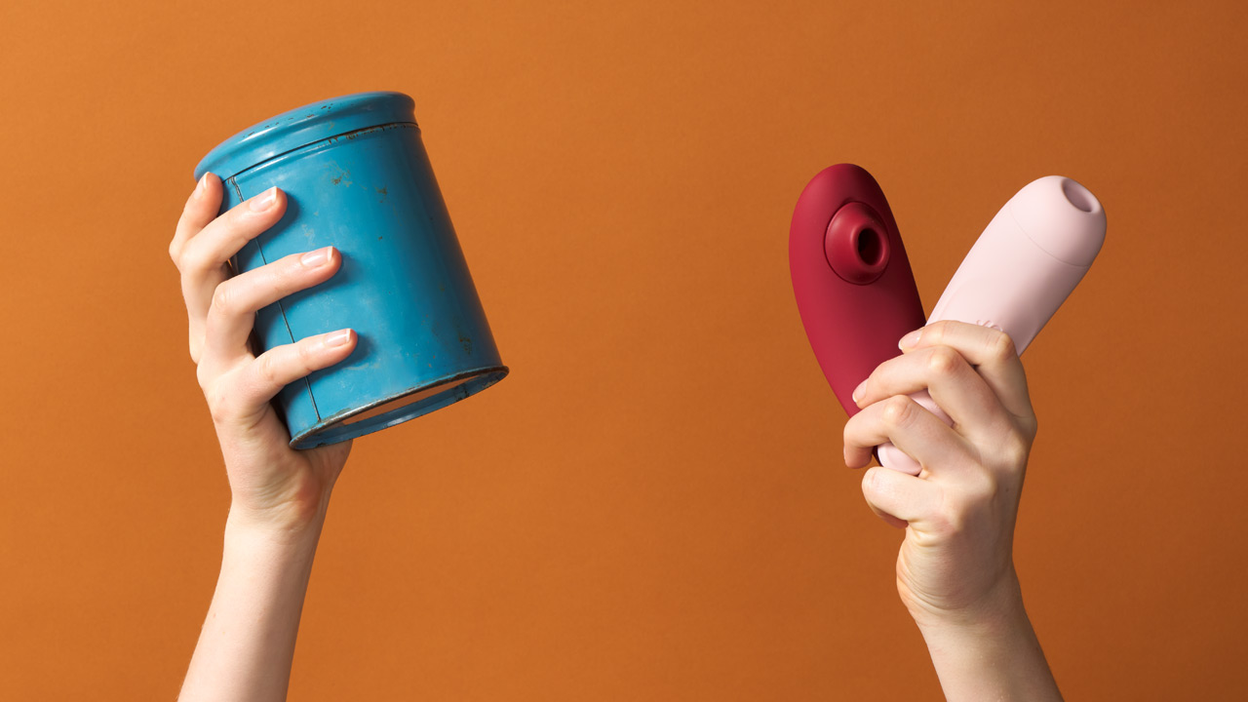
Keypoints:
pixel 357 177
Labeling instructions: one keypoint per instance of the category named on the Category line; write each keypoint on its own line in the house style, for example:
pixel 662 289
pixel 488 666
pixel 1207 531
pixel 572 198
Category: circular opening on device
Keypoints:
pixel 870 247
pixel 1078 195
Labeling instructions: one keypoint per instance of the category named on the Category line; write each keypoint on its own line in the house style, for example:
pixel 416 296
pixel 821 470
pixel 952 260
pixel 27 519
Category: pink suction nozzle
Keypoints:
pixel 1025 264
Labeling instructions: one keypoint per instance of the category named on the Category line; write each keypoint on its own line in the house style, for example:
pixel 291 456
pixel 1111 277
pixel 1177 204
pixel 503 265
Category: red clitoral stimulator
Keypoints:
pixel 857 297
pixel 851 277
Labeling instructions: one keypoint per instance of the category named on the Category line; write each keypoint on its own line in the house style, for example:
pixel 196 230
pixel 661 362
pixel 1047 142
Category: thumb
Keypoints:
pixel 899 498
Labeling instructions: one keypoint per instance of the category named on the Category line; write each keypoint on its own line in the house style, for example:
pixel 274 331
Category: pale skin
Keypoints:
pixel 279 496
pixel 955 571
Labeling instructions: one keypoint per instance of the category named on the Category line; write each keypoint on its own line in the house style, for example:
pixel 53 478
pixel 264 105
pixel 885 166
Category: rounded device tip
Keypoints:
pixel 1061 217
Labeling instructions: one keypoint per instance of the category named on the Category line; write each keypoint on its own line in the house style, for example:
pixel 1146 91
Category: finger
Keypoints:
pixel 897 497
pixel 280 366
pixel 201 208
pixel 957 389
pixel 992 353
pixel 203 258
pixel 235 302
pixel 911 428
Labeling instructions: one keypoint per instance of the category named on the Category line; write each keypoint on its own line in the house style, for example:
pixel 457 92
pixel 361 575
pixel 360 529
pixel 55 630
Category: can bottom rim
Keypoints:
pixel 398 409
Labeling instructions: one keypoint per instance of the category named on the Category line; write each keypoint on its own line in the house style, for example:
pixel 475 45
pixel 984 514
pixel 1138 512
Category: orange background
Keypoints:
pixel 653 505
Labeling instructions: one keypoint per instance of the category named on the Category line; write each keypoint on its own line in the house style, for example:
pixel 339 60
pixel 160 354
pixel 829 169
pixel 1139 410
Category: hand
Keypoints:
pixel 273 486
pixel 955 570
pixel 956 563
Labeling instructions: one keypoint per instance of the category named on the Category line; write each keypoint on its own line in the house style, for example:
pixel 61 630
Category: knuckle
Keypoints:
pixel 875 487
pixel 959 515
pixel 285 279
pixel 204 378
pixel 221 409
pixel 852 433
pixel 268 368
pixel 944 361
pixel 1001 346
pixel 983 489
pixel 238 220
pixel 871 482
pixel 872 382
pixel 306 352
pixel 1014 450
pixel 224 298
pixel 193 259
pixel 1031 427
pixel 945 523
pixel 233 216
pixel 975 497
pixel 868 485
pixel 934 333
pixel 898 411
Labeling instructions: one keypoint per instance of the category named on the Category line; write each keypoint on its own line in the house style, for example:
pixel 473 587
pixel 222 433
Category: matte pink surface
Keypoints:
pixel 1019 272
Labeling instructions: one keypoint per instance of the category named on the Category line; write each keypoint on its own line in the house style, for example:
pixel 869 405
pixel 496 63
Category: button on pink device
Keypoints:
pixel 851 277
pixel 1020 270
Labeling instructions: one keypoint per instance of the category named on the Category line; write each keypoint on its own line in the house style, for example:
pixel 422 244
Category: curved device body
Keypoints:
pixel 1020 270
pixel 852 280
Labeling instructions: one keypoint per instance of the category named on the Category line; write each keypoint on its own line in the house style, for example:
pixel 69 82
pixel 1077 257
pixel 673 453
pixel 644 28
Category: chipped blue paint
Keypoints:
pixel 357 177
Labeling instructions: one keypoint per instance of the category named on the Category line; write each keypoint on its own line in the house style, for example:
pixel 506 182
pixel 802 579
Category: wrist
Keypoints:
pixel 289 509
pixel 248 638
pixel 280 529
pixel 1000 607
pixel 989 650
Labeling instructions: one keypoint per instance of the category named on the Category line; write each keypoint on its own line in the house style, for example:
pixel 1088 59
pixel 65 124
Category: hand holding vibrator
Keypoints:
pixel 1024 265
pixel 851 277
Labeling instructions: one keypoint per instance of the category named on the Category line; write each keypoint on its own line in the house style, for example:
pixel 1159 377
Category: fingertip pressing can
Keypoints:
pixel 357 177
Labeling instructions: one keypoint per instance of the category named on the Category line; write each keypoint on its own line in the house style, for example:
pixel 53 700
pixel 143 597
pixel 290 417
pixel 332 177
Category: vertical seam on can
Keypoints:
pixel 286 322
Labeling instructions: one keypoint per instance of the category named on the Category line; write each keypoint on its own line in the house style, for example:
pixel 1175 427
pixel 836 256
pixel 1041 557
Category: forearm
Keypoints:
pixel 247 643
pixel 992 655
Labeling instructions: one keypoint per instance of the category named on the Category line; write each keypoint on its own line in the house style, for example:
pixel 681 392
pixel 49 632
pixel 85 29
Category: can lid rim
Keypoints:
pixel 305 125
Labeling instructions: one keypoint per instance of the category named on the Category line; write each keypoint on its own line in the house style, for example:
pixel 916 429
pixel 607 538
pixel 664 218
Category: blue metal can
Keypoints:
pixel 357 177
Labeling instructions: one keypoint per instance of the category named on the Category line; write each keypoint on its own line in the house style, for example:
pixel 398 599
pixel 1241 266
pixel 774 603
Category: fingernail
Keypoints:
pixel 338 338
pixel 264 201
pixel 858 391
pixel 318 258
pixel 201 186
pixel 909 340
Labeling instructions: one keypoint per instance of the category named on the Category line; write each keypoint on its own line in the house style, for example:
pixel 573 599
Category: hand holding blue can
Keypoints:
pixel 272 485
pixel 357 178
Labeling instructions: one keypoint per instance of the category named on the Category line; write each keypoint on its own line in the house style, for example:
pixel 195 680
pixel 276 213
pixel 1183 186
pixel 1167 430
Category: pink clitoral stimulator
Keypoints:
pixel 1020 270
